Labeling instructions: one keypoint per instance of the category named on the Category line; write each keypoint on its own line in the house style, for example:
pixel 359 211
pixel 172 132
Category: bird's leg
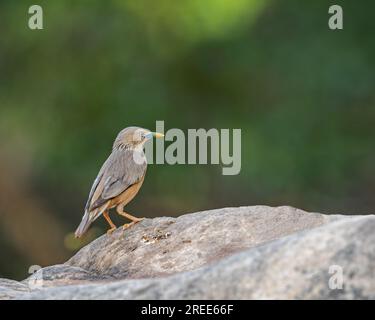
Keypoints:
pixel 113 226
pixel 121 212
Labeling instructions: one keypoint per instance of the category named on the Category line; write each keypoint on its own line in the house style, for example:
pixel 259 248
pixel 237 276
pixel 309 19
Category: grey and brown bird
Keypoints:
pixel 119 179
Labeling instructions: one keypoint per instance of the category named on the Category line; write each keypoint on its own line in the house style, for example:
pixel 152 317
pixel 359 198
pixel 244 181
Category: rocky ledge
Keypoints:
pixel 254 252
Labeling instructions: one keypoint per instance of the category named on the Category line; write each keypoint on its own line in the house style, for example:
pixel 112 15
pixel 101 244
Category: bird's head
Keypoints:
pixel 133 137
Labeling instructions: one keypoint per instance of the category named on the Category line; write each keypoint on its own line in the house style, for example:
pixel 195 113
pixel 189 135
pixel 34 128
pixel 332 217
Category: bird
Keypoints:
pixel 119 179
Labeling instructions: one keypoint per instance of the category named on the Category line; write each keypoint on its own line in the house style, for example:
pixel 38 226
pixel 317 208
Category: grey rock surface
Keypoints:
pixel 233 253
pixel 165 246
pixel 10 289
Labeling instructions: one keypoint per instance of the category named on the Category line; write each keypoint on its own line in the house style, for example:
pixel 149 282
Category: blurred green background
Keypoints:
pixel 302 94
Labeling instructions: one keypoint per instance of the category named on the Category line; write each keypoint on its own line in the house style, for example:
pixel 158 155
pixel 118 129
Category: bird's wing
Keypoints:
pixel 120 171
pixel 98 182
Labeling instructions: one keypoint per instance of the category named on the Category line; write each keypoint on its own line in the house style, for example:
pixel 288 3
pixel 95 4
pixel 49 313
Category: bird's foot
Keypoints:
pixel 128 225
pixel 109 231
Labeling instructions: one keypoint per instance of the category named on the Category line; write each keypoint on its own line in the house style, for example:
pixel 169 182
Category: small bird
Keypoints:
pixel 119 179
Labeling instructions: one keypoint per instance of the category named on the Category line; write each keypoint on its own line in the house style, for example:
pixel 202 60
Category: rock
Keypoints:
pixel 234 253
pixel 62 274
pixel 10 289
pixel 165 246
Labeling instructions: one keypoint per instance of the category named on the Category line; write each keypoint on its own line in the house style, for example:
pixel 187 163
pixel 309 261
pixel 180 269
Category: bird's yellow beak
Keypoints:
pixel 158 135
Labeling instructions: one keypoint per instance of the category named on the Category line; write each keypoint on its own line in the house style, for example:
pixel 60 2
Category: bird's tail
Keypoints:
pixel 84 225
pixel 88 218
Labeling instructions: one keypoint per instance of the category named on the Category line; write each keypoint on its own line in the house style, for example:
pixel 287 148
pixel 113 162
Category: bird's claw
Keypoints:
pixel 109 231
pixel 128 225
